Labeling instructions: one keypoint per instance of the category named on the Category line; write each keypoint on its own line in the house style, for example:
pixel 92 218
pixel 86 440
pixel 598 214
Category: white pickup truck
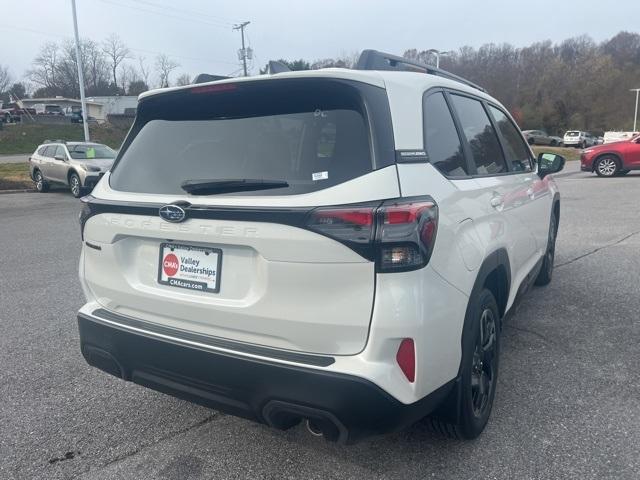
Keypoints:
pixel 610 137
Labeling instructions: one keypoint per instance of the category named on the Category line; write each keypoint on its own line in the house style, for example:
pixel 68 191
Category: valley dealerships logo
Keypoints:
pixel 170 265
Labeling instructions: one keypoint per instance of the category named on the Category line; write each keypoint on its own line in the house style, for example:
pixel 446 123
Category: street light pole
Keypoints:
pixel 635 117
pixel 80 76
pixel 437 53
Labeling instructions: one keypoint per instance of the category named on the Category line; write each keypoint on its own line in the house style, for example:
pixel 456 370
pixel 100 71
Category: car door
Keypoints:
pixel 631 152
pixel 502 194
pixel 46 161
pixel 534 193
pixel 59 165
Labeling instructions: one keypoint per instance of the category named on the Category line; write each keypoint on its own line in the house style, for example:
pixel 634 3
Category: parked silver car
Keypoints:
pixel 540 137
pixel 79 165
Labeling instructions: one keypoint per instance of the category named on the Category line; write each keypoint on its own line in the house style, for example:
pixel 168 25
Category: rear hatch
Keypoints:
pixel 214 218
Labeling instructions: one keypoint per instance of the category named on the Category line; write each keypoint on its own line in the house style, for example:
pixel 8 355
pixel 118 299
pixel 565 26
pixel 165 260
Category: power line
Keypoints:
pixel 66 37
pixel 164 14
pixel 228 22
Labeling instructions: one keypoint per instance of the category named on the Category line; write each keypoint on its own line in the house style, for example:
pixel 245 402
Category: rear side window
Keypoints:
pixel 515 148
pixel 485 149
pixel 49 151
pixel 442 142
pixel 41 150
pixel 310 134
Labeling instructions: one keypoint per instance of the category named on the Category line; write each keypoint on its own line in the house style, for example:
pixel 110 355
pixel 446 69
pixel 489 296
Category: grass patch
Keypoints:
pixel 567 152
pixel 15 176
pixel 25 138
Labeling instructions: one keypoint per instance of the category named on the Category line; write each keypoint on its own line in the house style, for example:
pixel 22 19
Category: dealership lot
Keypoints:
pixel 567 403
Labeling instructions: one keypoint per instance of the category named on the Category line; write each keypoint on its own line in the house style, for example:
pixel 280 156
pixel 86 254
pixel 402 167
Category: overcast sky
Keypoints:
pixel 198 33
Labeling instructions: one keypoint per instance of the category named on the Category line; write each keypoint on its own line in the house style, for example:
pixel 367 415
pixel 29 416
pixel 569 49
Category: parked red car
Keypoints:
pixel 617 158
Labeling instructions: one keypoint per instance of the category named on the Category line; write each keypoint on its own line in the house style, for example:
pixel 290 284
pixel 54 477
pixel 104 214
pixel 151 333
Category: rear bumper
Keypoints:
pixel 346 408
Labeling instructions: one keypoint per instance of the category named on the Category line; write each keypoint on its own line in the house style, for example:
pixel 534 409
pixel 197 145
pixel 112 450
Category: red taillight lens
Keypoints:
pixel 349 225
pixel 406 234
pixel 219 88
pixel 355 217
pixel 398 234
pixel 406 358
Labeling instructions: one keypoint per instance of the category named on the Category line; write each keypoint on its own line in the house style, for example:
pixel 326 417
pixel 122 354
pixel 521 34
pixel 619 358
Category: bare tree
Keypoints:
pixel 164 67
pixel 183 79
pixel 116 51
pixel 5 78
pixel 144 69
pixel 45 66
pixel 128 74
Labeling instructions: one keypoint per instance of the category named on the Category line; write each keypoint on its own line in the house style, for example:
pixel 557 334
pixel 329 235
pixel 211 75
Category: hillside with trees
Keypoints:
pixel 574 84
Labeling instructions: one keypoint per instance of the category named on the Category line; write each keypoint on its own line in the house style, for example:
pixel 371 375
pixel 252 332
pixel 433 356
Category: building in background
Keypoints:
pixel 94 109
pixel 115 105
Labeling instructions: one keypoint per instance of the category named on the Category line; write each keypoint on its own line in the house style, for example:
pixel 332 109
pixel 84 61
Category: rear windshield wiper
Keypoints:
pixel 213 187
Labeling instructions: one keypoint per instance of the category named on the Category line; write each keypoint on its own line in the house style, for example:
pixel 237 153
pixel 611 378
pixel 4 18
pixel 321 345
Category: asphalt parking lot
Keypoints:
pixel 567 404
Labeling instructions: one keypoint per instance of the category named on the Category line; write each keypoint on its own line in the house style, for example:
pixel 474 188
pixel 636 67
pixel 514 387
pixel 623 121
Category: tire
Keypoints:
pixel 607 166
pixel 553 143
pixel 531 141
pixel 75 185
pixel 583 145
pixel 41 185
pixel 546 272
pixel 479 370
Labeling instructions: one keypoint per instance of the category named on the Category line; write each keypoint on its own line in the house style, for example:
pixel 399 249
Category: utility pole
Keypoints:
pixel 635 117
pixel 243 54
pixel 80 77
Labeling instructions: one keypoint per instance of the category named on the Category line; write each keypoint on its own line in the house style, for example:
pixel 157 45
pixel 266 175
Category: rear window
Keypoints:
pixel 572 134
pixel 310 134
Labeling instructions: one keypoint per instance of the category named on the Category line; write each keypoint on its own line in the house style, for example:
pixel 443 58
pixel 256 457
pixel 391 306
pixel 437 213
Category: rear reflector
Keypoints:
pixel 406 358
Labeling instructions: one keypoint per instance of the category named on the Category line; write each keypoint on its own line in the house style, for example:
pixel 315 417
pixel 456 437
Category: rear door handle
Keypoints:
pixel 497 201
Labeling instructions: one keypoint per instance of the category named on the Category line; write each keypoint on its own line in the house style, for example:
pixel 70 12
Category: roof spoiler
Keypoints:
pixel 274 67
pixel 206 77
pixel 375 60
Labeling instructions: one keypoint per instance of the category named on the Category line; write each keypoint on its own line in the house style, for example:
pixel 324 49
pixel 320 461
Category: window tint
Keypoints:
pixel 87 152
pixel 514 146
pixel 481 136
pixel 441 138
pixel 49 151
pixel 312 135
pixel 60 151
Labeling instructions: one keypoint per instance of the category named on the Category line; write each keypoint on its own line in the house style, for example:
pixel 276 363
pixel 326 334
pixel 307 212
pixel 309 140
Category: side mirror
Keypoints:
pixel 59 157
pixel 549 163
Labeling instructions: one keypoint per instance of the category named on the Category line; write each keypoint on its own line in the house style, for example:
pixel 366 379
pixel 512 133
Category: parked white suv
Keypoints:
pixel 335 246
pixel 576 138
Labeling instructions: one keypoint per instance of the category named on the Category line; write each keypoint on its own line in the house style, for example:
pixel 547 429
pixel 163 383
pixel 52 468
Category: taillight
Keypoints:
pixel 406 234
pixel 218 88
pixel 398 234
pixel 406 358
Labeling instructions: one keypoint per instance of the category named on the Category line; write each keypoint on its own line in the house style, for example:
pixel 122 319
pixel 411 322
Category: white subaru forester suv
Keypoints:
pixel 337 246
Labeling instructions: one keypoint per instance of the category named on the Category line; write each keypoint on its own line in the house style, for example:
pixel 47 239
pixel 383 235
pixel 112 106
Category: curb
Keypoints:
pixel 24 190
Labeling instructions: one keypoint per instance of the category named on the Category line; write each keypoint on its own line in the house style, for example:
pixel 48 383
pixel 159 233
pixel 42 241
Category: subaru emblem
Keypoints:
pixel 172 213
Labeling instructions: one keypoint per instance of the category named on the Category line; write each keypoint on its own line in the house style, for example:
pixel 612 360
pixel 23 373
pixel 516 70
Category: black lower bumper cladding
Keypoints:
pixel 344 407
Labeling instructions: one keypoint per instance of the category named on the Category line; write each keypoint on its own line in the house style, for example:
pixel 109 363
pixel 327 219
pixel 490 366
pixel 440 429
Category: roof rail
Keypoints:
pixel 375 60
